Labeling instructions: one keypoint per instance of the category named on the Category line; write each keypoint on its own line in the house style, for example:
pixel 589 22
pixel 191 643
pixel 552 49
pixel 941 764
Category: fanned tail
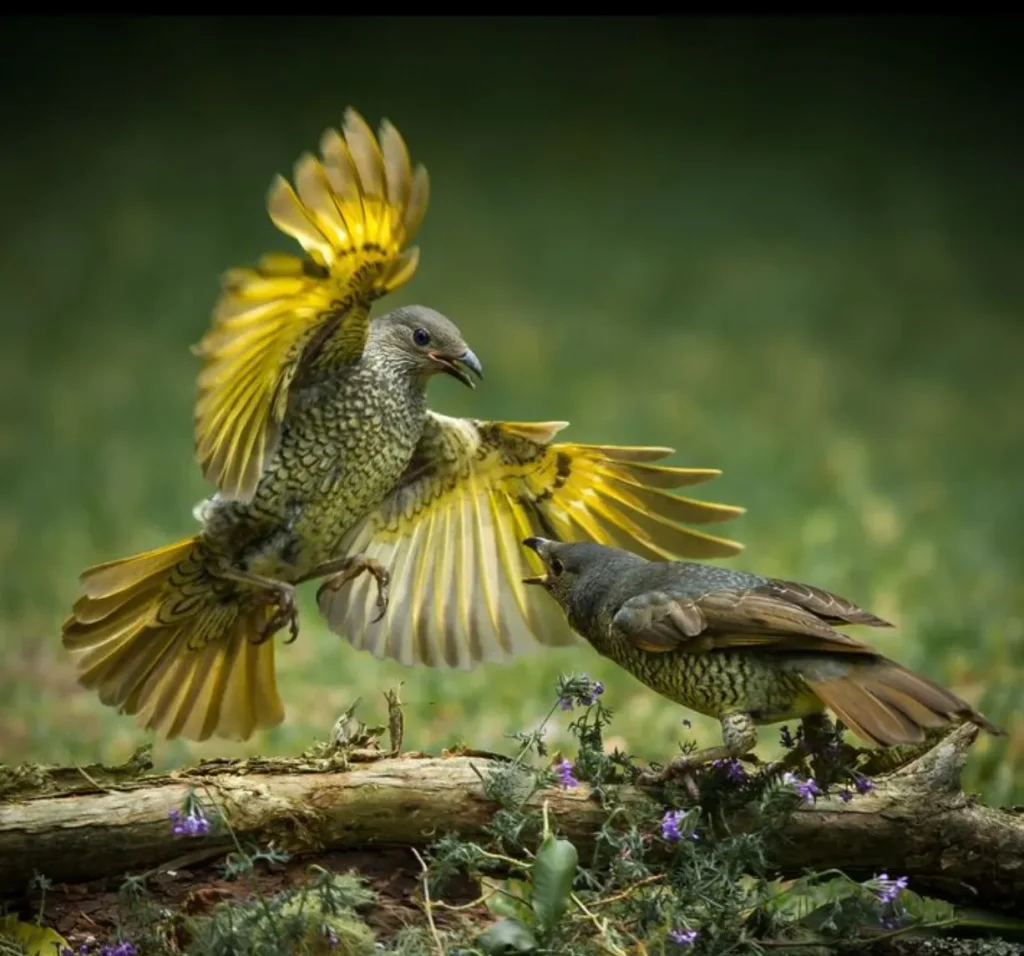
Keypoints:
pixel 887 704
pixel 160 638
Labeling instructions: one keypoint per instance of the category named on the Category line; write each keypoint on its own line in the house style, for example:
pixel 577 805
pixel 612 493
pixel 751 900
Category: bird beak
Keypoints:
pixel 539 545
pixel 456 365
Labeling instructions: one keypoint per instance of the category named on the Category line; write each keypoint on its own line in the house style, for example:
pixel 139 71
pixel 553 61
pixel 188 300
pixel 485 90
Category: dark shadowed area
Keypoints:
pixel 790 249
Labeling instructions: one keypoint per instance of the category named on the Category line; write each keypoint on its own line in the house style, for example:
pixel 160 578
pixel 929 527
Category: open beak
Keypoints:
pixel 538 545
pixel 456 366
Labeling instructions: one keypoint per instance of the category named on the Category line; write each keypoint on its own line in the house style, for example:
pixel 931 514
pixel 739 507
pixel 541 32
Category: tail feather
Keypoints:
pixel 113 577
pixel 157 637
pixel 886 704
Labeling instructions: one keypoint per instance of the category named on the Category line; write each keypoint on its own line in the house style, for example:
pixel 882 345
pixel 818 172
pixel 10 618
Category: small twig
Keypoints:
pixel 477 902
pixel 621 896
pixel 97 785
pixel 427 906
pixel 511 861
pixel 600 925
pixel 396 719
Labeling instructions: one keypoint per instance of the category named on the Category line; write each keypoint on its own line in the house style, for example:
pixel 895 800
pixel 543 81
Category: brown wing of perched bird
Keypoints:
pixel 355 212
pixel 878 699
pixel 662 621
pixel 450 532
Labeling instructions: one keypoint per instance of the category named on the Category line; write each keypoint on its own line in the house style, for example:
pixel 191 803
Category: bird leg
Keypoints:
pixel 739 737
pixel 278 592
pixel 348 569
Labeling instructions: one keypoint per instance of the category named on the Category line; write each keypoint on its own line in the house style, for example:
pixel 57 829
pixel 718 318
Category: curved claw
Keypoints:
pixel 383 577
pixel 287 613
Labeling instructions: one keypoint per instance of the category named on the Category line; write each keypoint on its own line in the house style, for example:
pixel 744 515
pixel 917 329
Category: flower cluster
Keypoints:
pixel 194 823
pixel 120 948
pixel 683 937
pixel 807 789
pixel 731 768
pixel 889 890
pixel 564 770
pixel 670 827
pixel 861 783
pixel 579 690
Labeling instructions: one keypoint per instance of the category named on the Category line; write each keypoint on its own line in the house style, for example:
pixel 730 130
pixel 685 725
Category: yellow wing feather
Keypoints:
pixel 451 533
pixel 354 212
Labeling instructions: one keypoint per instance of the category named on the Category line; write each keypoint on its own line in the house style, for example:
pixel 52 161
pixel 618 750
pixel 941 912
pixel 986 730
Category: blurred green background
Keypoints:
pixel 791 249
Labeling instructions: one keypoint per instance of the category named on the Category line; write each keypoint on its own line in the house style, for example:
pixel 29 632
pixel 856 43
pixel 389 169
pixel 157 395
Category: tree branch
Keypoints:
pixel 83 824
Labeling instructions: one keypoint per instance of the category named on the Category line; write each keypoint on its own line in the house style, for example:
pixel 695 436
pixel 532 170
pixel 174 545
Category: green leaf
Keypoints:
pixel 508 937
pixel 973 921
pixel 798 899
pixel 926 908
pixel 512 899
pixel 552 875
pixel 35 940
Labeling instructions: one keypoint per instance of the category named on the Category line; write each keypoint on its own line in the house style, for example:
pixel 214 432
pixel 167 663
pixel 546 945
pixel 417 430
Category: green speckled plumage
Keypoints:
pixel 719 682
pixel 345 442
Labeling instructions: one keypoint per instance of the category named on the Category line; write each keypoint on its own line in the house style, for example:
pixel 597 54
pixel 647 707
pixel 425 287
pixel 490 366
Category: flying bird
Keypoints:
pixel 311 421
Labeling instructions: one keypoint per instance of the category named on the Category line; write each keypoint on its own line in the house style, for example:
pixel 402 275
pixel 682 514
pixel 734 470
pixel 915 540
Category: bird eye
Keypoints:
pixel 421 337
pixel 556 567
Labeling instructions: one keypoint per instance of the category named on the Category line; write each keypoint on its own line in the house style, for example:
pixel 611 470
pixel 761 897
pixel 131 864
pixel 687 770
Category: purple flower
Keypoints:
pixel 683 937
pixel 845 795
pixel 807 789
pixel 889 890
pixel 195 824
pixel 862 783
pixel 732 768
pixel 670 827
pixel 596 690
pixel 591 690
pixel 564 771
pixel 332 937
pixel 120 948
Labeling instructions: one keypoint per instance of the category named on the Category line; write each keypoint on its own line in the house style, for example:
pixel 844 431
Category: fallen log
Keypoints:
pixel 76 825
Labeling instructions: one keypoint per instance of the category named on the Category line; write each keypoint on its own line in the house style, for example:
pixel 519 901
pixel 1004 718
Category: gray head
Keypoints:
pixel 423 342
pixel 570 563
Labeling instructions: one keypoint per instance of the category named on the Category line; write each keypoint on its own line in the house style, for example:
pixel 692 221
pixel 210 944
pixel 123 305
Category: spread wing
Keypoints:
pixel 354 211
pixel 779 614
pixel 451 534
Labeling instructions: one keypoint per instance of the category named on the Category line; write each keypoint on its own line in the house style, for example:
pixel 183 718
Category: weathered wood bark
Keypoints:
pixel 76 825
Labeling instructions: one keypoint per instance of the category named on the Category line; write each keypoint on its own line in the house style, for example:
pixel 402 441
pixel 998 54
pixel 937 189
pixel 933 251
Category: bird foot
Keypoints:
pixel 350 568
pixel 286 613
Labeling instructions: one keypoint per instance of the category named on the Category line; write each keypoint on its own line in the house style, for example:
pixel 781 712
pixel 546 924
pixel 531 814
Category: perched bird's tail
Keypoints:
pixel 886 704
pixel 162 638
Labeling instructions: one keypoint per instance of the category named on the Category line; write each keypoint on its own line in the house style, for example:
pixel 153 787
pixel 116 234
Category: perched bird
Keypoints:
pixel 311 419
pixel 744 649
